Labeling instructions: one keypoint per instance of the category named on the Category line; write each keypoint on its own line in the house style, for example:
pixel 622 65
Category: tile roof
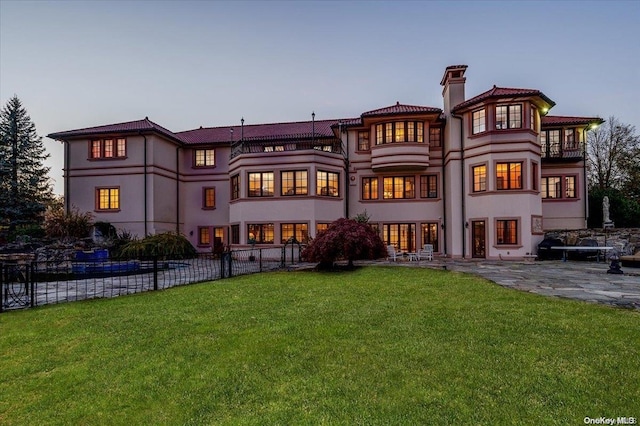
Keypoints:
pixel 144 125
pixel 293 130
pixel 502 92
pixel 557 120
pixel 399 108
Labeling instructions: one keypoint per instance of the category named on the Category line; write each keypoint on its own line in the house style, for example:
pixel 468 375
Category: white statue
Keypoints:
pixel 605 210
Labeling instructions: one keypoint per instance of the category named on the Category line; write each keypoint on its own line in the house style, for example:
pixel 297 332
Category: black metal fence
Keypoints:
pixel 30 284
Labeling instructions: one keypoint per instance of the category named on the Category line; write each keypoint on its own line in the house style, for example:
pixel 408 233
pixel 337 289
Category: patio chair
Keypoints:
pixel 392 254
pixel 426 252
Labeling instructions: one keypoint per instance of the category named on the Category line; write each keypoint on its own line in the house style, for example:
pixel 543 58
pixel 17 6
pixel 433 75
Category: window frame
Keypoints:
pixel 435 137
pixel 509 180
pixel 324 190
pixel 301 228
pixel 206 198
pixel 508 227
pixel 364 142
pixel 478 183
pixel 426 231
pixel 428 182
pixel 478 121
pixel 98 148
pixel 109 189
pixel 234 230
pixel 234 182
pixel 510 116
pixel 205 158
pixel 262 193
pixel 292 191
pixel 400 132
pixel 204 231
pixel 373 188
pixel 262 229
pixel 394 180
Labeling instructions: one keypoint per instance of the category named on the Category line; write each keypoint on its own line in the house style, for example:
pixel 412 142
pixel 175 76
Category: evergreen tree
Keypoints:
pixel 24 182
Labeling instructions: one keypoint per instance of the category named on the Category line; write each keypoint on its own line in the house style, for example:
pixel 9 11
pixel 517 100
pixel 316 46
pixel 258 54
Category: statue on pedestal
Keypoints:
pixel 606 220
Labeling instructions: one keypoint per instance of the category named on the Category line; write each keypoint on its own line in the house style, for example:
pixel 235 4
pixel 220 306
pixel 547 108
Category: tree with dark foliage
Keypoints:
pixel 25 188
pixel 345 239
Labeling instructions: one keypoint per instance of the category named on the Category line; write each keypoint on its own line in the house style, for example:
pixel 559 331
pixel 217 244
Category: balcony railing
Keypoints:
pixel 563 151
pixel 268 146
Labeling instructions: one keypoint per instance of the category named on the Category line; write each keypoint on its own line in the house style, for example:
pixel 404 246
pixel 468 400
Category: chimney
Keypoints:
pixel 453 87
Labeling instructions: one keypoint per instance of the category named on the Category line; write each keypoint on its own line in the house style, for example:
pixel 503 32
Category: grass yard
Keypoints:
pixel 381 345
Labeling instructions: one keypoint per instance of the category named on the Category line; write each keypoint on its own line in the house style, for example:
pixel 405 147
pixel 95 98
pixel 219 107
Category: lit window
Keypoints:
pixel 320 227
pixel 235 187
pixel 204 158
pixel 108 148
pixel 507 232
pixel 480 178
pixel 509 176
pixel 429 186
pixel 204 236
pixel 400 235
pixel 208 198
pixel 260 233
pixel 299 231
pixel 479 121
pixel 327 183
pixel 508 116
pixel 430 234
pixel 363 141
pixel 399 131
pixel 398 187
pixel 108 198
pixel 294 182
pixel 370 188
pixel 261 184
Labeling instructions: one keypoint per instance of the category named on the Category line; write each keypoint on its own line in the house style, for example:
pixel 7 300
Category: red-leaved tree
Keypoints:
pixel 345 239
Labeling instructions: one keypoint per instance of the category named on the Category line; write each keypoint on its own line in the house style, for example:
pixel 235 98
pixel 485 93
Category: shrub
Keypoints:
pixel 168 245
pixel 58 224
pixel 345 239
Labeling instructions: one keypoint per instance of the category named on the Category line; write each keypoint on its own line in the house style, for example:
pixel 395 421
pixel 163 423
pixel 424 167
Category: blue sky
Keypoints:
pixel 77 64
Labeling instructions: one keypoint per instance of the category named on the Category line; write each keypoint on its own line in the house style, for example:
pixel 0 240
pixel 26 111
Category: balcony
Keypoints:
pixel 400 156
pixel 570 152
pixel 249 146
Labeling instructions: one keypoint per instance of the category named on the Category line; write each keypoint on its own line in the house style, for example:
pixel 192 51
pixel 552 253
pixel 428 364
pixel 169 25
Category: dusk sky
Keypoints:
pixel 78 64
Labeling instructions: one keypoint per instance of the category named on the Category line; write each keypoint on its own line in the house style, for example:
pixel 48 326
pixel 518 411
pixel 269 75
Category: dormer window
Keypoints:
pixel 400 131
pixel 509 116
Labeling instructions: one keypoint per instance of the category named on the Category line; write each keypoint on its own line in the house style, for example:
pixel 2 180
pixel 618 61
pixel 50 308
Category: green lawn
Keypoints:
pixel 381 345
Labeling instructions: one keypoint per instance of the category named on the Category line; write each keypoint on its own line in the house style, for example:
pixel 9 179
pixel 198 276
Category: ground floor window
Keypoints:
pixel 108 199
pixel 430 234
pixel 235 234
pixel 400 235
pixel 260 233
pixel 507 232
pixel 205 234
pixel 299 231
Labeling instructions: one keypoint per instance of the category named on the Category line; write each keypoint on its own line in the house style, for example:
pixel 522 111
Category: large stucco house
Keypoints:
pixel 482 177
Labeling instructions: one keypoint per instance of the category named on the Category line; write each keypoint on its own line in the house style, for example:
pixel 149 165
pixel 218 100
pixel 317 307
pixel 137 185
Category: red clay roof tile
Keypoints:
pixel 502 92
pixel 557 120
pixel 144 125
pixel 399 108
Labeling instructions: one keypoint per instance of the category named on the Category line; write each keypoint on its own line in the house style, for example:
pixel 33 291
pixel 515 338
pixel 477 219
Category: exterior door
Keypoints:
pixel 479 239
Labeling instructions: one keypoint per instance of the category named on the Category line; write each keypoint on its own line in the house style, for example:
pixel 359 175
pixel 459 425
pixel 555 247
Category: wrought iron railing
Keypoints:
pixel 563 151
pixel 26 284
pixel 273 146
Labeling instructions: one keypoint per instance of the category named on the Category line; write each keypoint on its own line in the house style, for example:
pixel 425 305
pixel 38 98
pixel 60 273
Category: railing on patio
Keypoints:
pixel 564 151
pixel 28 284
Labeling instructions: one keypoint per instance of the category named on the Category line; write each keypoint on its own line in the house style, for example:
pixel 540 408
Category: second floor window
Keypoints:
pixel 370 188
pixel 294 182
pixel 327 183
pixel 261 184
pixel 208 198
pixel 479 122
pixel 235 187
pixel 435 137
pixel 508 176
pixel 551 187
pixel 509 116
pixel 399 187
pixel 399 131
pixel 363 141
pixel 108 148
pixel 480 178
pixel 204 158
pixel 429 186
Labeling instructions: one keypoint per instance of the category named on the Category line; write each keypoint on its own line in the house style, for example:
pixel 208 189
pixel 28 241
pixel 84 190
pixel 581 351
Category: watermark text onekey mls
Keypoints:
pixel 610 420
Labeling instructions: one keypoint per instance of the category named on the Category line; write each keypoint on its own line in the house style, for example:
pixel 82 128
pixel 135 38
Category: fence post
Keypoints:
pixel 155 272
pixel 31 278
pixel 260 258
pixel 222 256
pixel 230 265
pixel 1 286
